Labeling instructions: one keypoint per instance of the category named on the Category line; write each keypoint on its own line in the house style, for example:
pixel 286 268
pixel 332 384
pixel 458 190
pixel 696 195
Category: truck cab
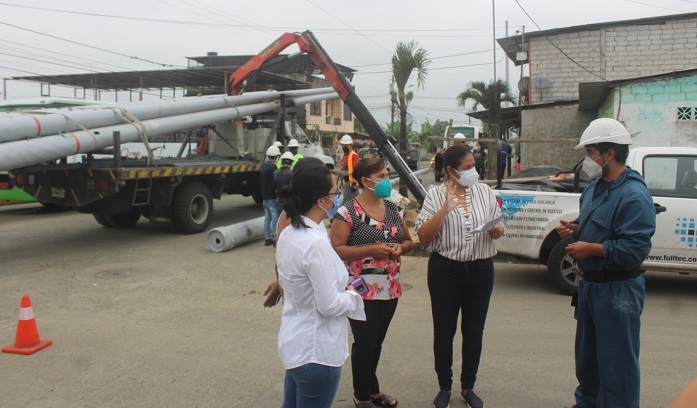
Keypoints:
pixel 672 181
pixel 671 177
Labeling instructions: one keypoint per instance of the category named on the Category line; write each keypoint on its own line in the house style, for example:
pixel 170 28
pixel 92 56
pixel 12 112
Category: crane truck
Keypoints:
pixel 180 191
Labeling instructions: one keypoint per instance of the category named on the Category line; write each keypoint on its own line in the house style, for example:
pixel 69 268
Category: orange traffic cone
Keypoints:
pixel 27 340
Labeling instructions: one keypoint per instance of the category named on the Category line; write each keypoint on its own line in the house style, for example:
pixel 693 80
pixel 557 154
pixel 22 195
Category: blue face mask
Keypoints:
pixel 383 189
pixel 330 212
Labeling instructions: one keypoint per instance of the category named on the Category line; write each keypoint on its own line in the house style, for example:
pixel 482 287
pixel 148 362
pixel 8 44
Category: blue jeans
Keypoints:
pixel 311 386
pixel 607 343
pixel 454 287
pixel 270 219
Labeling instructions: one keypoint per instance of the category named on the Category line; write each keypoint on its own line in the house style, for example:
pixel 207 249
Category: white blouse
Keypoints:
pixel 455 239
pixel 316 303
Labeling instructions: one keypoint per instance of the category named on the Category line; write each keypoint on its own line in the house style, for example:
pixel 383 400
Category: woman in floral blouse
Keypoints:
pixel 370 234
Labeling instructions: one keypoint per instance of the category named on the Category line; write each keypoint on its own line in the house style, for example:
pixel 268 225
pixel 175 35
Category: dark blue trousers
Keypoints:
pixel 454 287
pixel 368 337
pixel 607 343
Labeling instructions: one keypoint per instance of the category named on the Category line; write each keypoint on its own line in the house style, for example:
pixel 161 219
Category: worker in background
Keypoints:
pixel 293 147
pixel 348 162
pixel 281 177
pixel 479 159
pixel 613 237
pixel 269 196
pixel 279 145
pixel 459 139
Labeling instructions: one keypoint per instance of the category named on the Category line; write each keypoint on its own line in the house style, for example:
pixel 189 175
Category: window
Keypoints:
pixel 660 172
pixel 686 113
pixel 347 113
pixel 316 108
pixel 671 176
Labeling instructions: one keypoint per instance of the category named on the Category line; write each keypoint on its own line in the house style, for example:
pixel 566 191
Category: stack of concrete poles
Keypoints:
pixel 33 137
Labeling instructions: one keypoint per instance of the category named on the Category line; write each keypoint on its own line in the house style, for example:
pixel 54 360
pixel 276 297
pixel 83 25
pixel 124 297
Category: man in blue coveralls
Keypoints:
pixel 617 219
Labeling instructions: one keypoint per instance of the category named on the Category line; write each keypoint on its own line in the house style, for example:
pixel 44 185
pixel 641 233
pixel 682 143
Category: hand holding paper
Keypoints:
pixel 489 225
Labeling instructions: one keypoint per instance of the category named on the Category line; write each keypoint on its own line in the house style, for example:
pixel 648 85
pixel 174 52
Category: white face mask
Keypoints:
pixel 592 168
pixel 467 177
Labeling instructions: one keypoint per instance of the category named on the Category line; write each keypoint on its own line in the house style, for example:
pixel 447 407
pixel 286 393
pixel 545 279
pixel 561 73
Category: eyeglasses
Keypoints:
pixel 337 193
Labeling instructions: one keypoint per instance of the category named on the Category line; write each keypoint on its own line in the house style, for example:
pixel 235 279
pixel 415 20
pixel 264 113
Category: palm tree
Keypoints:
pixel 478 91
pixel 407 58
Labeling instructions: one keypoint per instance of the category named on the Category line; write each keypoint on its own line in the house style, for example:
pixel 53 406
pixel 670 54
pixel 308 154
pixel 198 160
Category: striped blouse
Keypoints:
pixel 455 240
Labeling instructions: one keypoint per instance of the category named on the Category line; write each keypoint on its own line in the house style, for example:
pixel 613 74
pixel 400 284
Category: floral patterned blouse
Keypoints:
pixel 381 275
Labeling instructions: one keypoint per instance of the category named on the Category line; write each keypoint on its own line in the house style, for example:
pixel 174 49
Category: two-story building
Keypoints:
pixel 616 69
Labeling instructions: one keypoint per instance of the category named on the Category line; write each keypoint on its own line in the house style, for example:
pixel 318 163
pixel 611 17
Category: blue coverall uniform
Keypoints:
pixel 623 219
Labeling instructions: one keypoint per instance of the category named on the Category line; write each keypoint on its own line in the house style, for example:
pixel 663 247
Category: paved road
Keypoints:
pixel 144 317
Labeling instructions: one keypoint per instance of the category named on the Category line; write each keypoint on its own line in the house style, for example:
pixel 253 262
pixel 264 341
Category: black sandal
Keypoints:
pixel 384 400
pixel 363 404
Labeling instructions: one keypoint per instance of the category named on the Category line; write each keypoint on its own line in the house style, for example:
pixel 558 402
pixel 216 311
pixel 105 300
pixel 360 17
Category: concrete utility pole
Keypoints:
pixel 392 107
pixel 506 60
pixel 494 131
pixel 493 14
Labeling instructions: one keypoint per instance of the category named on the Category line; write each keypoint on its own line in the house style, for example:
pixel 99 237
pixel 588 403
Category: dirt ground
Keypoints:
pixel 144 317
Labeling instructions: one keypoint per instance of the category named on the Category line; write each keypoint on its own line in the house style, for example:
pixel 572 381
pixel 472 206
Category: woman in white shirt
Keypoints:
pixel 313 339
pixel 460 269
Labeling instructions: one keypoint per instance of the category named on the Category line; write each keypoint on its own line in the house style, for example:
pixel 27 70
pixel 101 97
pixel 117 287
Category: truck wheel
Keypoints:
pixel 193 208
pixel 257 197
pixel 562 268
pixel 122 220
pixel 101 219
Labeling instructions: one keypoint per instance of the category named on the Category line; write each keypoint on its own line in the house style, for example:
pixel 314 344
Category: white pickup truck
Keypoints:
pixel 671 176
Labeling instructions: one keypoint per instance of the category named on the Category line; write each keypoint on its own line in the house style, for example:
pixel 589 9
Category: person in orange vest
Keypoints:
pixel 348 162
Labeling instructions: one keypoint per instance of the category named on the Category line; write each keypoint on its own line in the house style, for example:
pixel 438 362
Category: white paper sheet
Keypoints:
pixel 489 225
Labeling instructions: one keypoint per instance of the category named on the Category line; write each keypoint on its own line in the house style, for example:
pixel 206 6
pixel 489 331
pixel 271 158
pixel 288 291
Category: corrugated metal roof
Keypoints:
pixel 158 79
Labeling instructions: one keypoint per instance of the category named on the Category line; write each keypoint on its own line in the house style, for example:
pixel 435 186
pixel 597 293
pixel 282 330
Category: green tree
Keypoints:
pixel 429 129
pixel 478 91
pixel 395 129
pixel 407 58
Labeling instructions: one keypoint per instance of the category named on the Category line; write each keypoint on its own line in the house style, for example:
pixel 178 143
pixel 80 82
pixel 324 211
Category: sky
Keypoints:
pixel 50 37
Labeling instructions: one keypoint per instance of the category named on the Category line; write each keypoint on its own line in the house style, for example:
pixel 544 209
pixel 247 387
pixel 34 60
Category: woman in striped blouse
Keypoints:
pixel 460 269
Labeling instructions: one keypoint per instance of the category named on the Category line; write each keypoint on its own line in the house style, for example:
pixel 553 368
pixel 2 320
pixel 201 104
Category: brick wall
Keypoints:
pixel 558 122
pixel 612 53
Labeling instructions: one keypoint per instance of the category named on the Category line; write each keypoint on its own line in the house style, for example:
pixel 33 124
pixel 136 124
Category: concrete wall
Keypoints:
pixel 611 53
pixel 651 108
pixel 559 122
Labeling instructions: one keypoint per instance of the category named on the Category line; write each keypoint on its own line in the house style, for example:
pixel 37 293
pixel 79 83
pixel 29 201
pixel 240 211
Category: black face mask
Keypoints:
pixel 345 149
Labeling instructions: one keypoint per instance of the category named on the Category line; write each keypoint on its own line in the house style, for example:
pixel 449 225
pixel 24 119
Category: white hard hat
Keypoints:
pixel 278 144
pixel 293 143
pixel 273 151
pixel 346 140
pixel 287 155
pixel 459 136
pixel 604 130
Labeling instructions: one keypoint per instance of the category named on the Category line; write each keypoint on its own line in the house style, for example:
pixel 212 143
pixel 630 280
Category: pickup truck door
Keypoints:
pixel 672 181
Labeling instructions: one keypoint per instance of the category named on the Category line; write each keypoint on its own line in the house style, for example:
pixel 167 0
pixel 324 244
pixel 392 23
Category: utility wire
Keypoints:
pixel 653 5
pixel 430 69
pixel 353 29
pixel 249 25
pixel 555 45
pixel 66 55
pixel 432 58
pixel 246 27
pixel 89 46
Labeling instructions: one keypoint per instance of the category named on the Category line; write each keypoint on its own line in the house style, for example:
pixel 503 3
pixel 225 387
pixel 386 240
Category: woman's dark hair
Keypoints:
pixel 366 167
pixel 454 156
pixel 309 181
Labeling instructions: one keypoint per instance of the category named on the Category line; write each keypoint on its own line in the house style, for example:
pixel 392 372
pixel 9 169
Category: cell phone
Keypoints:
pixel 360 286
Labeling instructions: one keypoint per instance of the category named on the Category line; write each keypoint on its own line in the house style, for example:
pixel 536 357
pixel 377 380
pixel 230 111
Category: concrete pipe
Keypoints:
pixel 225 238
